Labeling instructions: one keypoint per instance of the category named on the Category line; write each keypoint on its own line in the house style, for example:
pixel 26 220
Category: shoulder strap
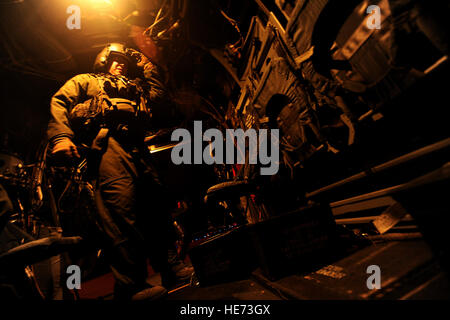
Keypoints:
pixel 97 101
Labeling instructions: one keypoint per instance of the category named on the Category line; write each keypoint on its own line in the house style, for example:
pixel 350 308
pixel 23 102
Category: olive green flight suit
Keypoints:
pixel 134 219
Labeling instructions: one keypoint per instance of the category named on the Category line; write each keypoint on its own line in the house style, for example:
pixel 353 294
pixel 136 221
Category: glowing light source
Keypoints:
pixel 101 2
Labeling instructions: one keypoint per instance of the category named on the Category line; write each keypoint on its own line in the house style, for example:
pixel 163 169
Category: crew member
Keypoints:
pixel 110 111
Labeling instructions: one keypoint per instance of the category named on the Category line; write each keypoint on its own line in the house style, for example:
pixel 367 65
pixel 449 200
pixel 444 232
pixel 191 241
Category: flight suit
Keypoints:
pixel 111 114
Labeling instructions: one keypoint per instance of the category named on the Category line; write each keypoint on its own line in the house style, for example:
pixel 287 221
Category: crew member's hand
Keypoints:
pixel 64 150
pixel 140 58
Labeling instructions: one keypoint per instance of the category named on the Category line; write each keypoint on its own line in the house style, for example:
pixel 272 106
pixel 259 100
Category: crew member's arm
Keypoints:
pixel 59 132
pixel 152 77
pixel 152 74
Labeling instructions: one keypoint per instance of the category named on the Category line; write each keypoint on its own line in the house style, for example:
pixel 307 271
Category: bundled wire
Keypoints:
pixel 239 44
pixel 158 20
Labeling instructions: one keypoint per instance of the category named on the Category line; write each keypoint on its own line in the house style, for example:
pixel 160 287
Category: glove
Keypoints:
pixel 141 60
pixel 64 149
